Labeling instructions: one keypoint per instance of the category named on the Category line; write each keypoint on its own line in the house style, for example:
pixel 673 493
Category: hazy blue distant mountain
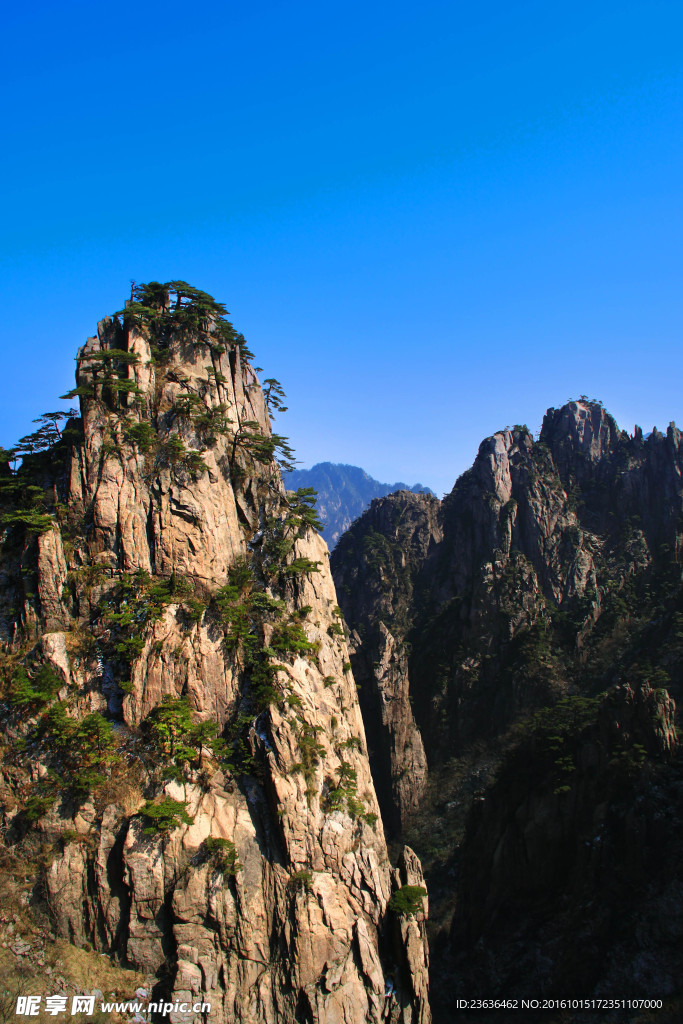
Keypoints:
pixel 344 492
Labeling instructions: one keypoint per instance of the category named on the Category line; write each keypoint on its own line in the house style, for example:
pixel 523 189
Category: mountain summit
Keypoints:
pixel 185 773
pixel 518 652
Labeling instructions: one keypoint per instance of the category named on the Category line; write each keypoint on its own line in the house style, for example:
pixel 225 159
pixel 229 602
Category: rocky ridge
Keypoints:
pixel 537 535
pixel 159 578
pixel 547 583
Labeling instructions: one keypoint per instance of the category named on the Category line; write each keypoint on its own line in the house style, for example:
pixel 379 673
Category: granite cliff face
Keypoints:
pixel 183 736
pixel 376 567
pixel 539 598
pixel 538 535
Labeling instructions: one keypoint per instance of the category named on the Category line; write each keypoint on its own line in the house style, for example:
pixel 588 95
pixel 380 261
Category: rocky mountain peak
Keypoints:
pixel 518 648
pixel 179 677
pixel 493 465
pixel 582 428
pixel 170 414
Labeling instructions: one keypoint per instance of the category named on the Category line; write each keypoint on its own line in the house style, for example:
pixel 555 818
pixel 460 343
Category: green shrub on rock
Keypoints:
pixel 165 816
pixel 407 901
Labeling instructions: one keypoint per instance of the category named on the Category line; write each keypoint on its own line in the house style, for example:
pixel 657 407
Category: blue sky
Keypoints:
pixel 429 223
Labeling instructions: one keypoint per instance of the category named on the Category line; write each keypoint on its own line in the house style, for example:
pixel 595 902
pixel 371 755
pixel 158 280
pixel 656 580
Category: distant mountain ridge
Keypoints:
pixel 344 492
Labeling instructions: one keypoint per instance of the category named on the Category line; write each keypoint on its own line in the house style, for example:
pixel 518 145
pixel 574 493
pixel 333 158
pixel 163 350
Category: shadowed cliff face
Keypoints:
pixel 562 808
pixel 570 875
pixel 179 592
pixel 537 539
pixel 375 568
pixel 551 573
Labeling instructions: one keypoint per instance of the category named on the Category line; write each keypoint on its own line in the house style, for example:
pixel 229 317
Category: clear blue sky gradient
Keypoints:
pixel 429 221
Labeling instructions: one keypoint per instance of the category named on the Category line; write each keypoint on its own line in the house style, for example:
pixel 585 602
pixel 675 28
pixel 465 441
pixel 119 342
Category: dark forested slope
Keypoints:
pixel 518 647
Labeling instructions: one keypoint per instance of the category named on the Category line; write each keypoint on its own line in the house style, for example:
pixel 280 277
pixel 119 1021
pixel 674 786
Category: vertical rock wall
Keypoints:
pixel 301 929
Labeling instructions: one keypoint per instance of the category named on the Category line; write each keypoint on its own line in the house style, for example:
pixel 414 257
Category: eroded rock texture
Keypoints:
pixel 524 635
pixel 538 536
pixel 169 485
